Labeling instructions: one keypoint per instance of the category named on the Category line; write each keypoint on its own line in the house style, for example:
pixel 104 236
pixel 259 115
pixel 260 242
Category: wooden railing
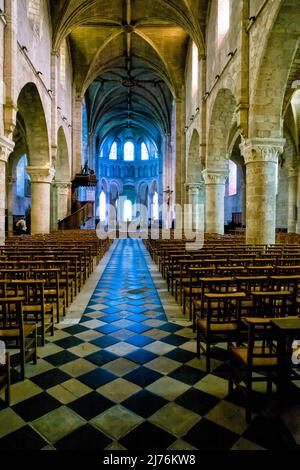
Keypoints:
pixel 78 218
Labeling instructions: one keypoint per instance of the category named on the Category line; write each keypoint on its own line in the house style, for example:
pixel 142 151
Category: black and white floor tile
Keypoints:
pixel 127 378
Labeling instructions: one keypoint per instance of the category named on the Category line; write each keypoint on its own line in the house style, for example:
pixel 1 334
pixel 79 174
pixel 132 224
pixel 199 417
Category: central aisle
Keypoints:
pixel 126 378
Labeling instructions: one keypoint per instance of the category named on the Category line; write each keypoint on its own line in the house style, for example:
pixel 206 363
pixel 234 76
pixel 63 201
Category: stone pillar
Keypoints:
pixel 215 193
pixel 10 67
pixel 77 135
pixel 261 157
pixel 41 178
pixel 11 191
pixel 6 147
pixel 3 160
pixel 292 199
pixel 63 195
pixel 195 199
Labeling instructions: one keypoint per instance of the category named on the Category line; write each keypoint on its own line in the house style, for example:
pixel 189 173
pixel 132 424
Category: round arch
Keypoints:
pixel 221 123
pixel 194 164
pixel 32 112
pixel 270 86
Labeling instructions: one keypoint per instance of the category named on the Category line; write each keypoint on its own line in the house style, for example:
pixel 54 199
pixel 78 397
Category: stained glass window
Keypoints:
pixel 232 187
pixel 144 152
pixel 113 151
pixel 128 152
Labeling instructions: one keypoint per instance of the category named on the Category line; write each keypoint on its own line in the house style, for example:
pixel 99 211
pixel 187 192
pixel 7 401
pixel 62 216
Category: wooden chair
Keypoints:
pixel 35 307
pixel 221 323
pixel 207 285
pixel 259 355
pixel 53 291
pixel 14 330
pixel 5 377
pixel 271 303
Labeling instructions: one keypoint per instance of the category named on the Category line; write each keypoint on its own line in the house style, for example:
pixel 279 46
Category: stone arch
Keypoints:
pixel 32 112
pixel 62 160
pixel 270 85
pixel 61 189
pixel 221 123
pixel 194 166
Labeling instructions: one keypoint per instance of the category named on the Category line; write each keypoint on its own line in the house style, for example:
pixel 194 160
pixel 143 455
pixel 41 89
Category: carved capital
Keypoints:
pixel 6 148
pixel 214 177
pixel 293 172
pixel 11 180
pixel 63 187
pixel 262 150
pixel 194 188
pixel 40 174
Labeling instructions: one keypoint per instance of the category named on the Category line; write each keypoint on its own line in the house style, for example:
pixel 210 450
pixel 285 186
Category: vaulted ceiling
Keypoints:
pixel 129 57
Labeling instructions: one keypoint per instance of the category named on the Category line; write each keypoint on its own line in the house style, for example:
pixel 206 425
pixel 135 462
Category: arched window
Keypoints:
pixel 102 206
pixel 195 70
pixel 155 207
pixel 113 151
pixel 63 64
pixel 101 153
pixel 34 14
pixel 128 210
pixel 23 181
pixel 129 151
pixel 144 152
pixel 223 19
pixel 232 184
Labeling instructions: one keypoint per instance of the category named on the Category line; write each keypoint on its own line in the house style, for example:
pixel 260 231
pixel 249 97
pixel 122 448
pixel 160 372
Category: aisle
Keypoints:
pixel 126 378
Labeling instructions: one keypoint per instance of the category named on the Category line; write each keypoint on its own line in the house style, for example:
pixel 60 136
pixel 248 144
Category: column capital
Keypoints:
pixel 11 179
pixel 194 187
pixel 214 177
pixel 293 172
pixel 39 174
pixel 262 150
pixel 63 187
pixel 6 148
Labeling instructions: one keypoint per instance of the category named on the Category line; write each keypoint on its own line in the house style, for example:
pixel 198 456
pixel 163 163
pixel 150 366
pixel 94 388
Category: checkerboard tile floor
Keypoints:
pixel 126 378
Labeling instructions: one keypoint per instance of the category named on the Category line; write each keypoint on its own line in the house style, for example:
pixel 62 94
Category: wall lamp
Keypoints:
pixel 230 54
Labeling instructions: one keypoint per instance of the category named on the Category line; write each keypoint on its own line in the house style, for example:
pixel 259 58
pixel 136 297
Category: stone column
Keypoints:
pixel 77 135
pixel 6 147
pixel 261 157
pixel 3 160
pixel 63 194
pixel 195 199
pixel 11 191
pixel 215 193
pixel 292 199
pixel 41 178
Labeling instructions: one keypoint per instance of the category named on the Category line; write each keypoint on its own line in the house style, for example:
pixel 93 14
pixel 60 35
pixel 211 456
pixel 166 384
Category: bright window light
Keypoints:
pixel 113 151
pixel 223 19
pixel 155 207
pixel 195 69
pixel 128 210
pixel 232 189
pixel 144 152
pixel 129 152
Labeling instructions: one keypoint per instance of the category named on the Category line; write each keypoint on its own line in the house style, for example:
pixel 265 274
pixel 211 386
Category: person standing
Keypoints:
pixel 21 226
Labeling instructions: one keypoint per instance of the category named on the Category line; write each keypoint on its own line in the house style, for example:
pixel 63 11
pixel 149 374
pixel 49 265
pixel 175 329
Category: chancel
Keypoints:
pixel 149 226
